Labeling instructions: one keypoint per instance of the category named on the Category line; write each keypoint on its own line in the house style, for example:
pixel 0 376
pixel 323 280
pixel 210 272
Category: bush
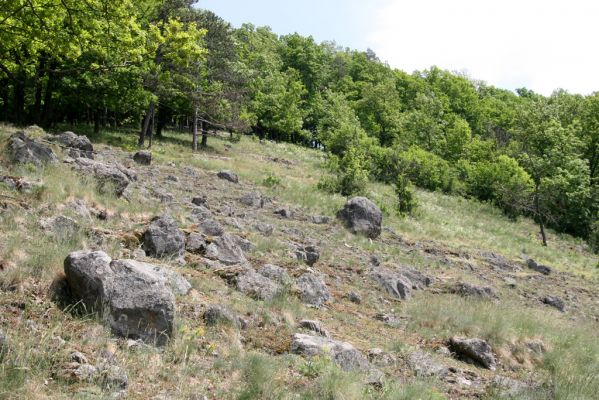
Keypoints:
pixel 594 237
pixel 406 201
pixel 426 169
pixel 351 174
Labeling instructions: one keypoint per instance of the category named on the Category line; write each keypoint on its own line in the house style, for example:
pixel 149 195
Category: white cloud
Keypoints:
pixel 542 45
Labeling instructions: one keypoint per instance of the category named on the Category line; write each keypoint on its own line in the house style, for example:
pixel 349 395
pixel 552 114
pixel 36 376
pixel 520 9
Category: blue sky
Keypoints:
pixel 538 44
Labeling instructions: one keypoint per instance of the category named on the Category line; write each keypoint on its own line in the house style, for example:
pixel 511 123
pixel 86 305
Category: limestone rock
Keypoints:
pixel 24 150
pixel 225 249
pixel 256 285
pixel 313 290
pixel 346 356
pixel 163 238
pixel 228 176
pixel 79 145
pixel 473 351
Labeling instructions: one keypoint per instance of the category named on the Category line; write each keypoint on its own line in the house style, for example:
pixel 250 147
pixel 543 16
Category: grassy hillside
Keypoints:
pixel 449 238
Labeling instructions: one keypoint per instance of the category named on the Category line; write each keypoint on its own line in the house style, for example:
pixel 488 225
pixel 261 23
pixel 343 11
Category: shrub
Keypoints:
pixel 426 169
pixel 351 174
pixel 406 201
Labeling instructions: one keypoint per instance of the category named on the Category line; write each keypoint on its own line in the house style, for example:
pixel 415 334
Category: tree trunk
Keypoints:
pixel 145 125
pixel 47 114
pixel 540 217
pixel 19 100
pixel 204 134
pixel 194 142
pixel 96 122
pixel 151 129
pixel 37 105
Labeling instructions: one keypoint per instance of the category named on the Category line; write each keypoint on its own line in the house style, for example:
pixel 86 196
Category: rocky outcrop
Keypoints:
pixel 143 157
pixel 23 150
pixel 217 314
pixel 256 286
pixel 362 216
pixel 111 177
pixel 312 289
pixel 275 273
pixel 313 326
pixel 425 365
pixel 228 176
pixel 472 351
pixel 308 254
pixel 225 249
pixel 135 299
pixel 400 282
pixel 346 356
pixel 163 238
pixel 78 145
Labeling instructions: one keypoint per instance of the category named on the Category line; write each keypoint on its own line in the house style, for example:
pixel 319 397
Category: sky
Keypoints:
pixel 538 44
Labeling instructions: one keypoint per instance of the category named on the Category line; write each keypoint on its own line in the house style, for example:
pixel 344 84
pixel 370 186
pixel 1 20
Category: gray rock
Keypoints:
pixel 284 212
pixel 256 286
pixel 85 373
pixel 425 365
pixel 362 216
pixel 63 228
pixel 211 227
pixel 543 269
pixel 24 150
pixel 469 290
pixel 243 243
pixel 512 388
pixel 312 289
pixel 354 298
pixel 381 358
pixel 78 357
pixel 200 201
pixel 225 249
pixel 79 144
pixel 133 298
pixel 143 157
pixel 138 253
pixel 275 273
pixel 346 356
pixel 200 213
pixel 265 229
pixel 313 326
pixel 307 254
pixel 173 280
pixel 473 351
pixel 393 283
pixel 228 176
pixel 218 314
pixel 111 177
pixel 418 279
pixel 163 238
pixel 253 199
pixel 195 243
pixel 113 378
pixel 320 219
pixel 554 302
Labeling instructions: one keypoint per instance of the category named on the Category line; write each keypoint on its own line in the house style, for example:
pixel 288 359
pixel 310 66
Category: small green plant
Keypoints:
pixel 406 200
pixel 271 181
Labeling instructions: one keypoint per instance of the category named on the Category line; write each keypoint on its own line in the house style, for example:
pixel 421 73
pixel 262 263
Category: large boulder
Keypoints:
pixel 135 299
pixel 473 351
pixel 78 145
pixel 163 238
pixel 345 355
pixel 362 216
pixel 111 177
pixel 312 289
pixel 24 150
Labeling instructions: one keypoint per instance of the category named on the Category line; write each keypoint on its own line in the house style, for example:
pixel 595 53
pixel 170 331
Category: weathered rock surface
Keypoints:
pixel 256 286
pixel 62 227
pixel 543 269
pixel 264 228
pixel 400 282
pixel 275 273
pixel 78 145
pixel 135 299
pixel 163 238
pixel 218 314
pixel 469 290
pixel 143 157
pixel 200 213
pixel 381 358
pixel 225 249
pixel 253 199
pixel 111 176
pixel 211 227
pixel 228 176
pixel 320 219
pixel 308 254
pixel 473 351
pixel 362 216
pixel 425 365
pixel 24 150
pixel 195 243
pixel 312 289
pixel 346 356
pixel 284 212
pixel 313 326
pixel 554 302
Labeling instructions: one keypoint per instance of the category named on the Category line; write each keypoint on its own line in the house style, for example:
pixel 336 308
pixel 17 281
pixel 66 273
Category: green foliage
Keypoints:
pixel 406 199
pixel 351 174
pixel 426 170
pixel 271 181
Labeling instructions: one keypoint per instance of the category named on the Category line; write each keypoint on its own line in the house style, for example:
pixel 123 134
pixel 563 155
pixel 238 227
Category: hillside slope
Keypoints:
pixel 466 261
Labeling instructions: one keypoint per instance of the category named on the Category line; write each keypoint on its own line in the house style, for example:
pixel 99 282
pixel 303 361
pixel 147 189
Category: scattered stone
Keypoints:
pixel 78 357
pixel 143 157
pixel 346 356
pixel 113 378
pixel 243 243
pixel 389 319
pixel 200 213
pixel 253 199
pixel 320 220
pixel 284 212
pixel 265 229
pixel 362 216
pixel 200 201
pixel 425 365
pixel 138 253
pixel 314 326
pixel 543 269
pixel 256 286
pixel 393 283
pixel 275 273
pixel 307 254
pixel 465 289
pixel 473 351
pixel 172 178
pixel 555 302
pixel 135 299
pixel 510 282
pixel 381 358
pixel 211 227
pixel 536 346
pixel 512 388
pixel 24 150
pixel 218 314
pixel 228 176
pixel 163 238
pixel 354 298
pixel 79 145
pixel 313 290
pixel 498 262
pixel 225 249
pixel 195 243
pixel 63 228
pixel 111 177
